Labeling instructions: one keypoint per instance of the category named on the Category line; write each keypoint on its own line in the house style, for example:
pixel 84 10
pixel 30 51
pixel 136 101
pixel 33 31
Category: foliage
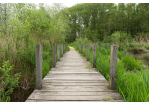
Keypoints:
pixel 119 37
pixel 22 26
pixel 67 48
pixel 98 21
pixel 7 79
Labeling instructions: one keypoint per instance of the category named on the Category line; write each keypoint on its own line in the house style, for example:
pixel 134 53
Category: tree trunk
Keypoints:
pixel 5 18
pixel 127 19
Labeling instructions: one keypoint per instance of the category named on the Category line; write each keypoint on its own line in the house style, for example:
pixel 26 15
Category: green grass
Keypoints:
pixel 132 63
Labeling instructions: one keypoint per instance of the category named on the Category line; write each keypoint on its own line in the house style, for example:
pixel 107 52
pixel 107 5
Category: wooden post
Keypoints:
pixel 87 52
pixel 62 49
pixel 94 54
pixel 84 49
pixel 54 55
pixel 38 66
pixel 81 48
pixel 58 52
pixel 113 66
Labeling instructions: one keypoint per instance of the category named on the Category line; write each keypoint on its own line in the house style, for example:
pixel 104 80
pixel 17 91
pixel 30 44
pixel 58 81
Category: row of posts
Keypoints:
pixel 113 61
pixel 63 49
pixel 39 61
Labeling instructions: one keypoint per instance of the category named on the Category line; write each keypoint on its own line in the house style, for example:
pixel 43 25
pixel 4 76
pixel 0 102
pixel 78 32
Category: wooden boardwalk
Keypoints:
pixel 73 80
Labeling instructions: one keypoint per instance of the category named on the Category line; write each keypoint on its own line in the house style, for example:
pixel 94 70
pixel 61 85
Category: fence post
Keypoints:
pixel 113 66
pixel 62 49
pixel 38 66
pixel 58 52
pixel 94 54
pixel 79 47
pixel 83 49
pixel 54 55
pixel 87 52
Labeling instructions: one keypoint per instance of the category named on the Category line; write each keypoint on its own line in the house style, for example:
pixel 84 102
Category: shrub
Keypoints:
pixel 7 79
pixel 119 37
pixel 67 48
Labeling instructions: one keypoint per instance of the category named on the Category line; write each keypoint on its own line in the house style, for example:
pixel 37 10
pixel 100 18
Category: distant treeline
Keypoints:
pixel 97 21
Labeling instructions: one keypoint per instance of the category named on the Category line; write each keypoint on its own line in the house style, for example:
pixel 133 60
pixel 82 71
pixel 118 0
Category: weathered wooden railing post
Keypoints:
pixel 83 49
pixel 87 52
pixel 79 47
pixel 54 55
pixel 62 49
pixel 58 52
pixel 38 66
pixel 113 66
pixel 94 54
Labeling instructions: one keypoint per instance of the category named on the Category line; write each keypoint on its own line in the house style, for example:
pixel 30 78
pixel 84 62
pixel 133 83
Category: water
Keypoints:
pixel 20 95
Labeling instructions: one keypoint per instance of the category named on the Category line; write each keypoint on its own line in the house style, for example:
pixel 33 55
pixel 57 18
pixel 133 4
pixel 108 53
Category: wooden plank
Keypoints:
pixel 83 66
pixel 74 73
pixel 67 62
pixel 74 76
pixel 70 79
pixel 74 83
pixel 87 71
pixel 75 88
pixel 38 100
pixel 70 68
pixel 93 98
pixel 73 64
pixel 72 93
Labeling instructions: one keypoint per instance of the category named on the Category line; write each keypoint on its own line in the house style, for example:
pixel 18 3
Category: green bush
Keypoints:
pixel 7 79
pixel 67 48
pixel 119 37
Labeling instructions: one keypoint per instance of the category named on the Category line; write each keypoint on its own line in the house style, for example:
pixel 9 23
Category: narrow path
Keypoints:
pixel 74 80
